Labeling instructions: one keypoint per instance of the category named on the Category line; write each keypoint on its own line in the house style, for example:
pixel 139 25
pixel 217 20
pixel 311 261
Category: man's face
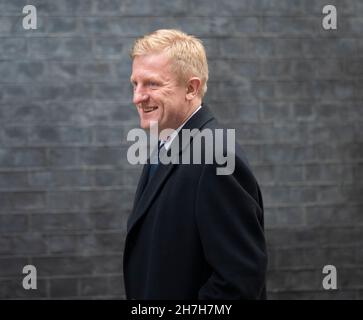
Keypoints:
pixel 158 94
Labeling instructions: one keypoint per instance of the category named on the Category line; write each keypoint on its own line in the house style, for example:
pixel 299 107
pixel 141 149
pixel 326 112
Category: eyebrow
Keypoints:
pixel 151 78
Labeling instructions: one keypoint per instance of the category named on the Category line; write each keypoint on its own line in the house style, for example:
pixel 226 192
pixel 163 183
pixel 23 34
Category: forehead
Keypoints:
pixel 151 65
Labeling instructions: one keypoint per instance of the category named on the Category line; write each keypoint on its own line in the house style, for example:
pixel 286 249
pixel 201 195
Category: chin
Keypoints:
pixel 145 124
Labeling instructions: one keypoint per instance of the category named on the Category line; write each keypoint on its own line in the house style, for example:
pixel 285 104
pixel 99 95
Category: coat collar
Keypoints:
pixel 146 194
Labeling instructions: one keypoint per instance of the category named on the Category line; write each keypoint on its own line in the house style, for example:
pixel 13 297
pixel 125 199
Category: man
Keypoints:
pixel 192 234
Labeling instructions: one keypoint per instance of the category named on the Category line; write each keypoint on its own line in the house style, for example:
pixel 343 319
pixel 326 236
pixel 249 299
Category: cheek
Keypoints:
pixel 170 102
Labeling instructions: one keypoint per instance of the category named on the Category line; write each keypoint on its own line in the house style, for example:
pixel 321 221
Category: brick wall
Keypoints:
pixel 292 90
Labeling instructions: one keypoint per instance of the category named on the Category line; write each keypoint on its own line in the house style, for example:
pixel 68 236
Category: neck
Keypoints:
pixel 194 106
pixel 163 134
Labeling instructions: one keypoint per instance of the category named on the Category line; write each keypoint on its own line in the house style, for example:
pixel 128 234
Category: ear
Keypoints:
pixel 193 88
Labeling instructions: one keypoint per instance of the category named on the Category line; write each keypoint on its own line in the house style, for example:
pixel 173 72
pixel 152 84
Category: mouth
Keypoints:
pixel 148 109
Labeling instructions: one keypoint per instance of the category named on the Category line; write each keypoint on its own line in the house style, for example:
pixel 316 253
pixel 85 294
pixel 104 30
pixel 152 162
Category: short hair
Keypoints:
pixel 186 52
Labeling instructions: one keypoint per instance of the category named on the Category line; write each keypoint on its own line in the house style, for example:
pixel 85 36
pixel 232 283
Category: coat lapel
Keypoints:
pixel 142 183
pixel 149 193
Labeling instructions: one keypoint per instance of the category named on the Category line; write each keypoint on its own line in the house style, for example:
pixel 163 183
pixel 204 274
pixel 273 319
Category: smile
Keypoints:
pixel 149 109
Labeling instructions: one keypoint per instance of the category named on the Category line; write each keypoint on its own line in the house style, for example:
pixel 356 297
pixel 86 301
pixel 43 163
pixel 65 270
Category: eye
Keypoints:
pixel 152 84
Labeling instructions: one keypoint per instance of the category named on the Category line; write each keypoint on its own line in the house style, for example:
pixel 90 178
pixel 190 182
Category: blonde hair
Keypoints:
pixel 186 52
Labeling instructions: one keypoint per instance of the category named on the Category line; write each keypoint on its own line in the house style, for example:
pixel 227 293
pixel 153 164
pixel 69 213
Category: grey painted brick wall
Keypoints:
pixel 292 90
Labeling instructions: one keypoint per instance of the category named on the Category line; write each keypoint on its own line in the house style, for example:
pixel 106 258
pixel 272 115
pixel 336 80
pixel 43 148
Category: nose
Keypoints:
pixel 140 96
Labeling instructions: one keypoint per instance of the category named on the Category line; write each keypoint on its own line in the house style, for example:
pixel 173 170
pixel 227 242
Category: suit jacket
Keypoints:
pixel 193 234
